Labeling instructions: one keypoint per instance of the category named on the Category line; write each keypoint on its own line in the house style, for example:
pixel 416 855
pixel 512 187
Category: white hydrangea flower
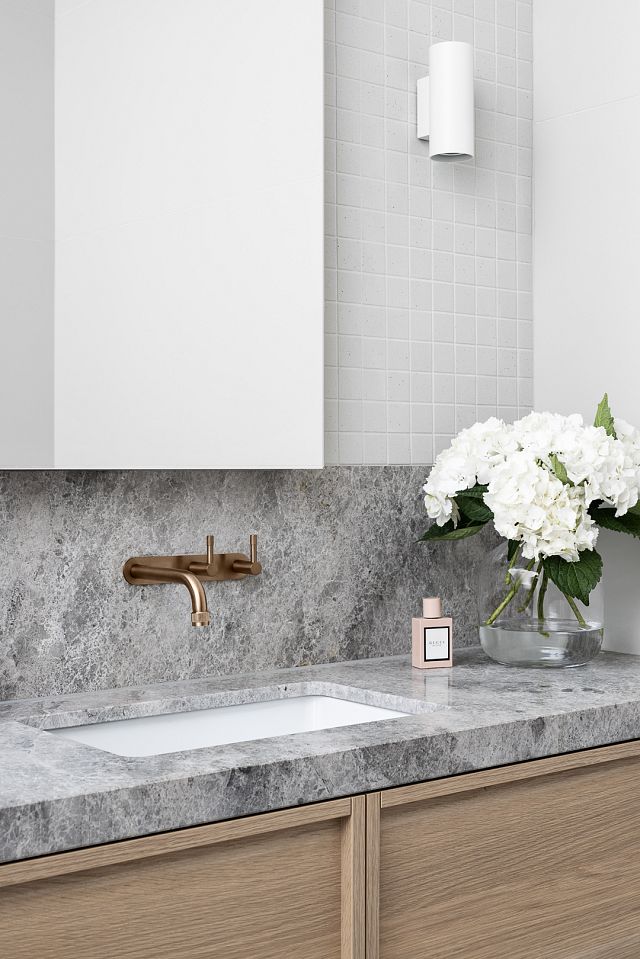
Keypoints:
pixel 531 505
pixel 453 471
pixel 608 467
pixel 519 464
pixel 587 454
pixel 467 461
pixel 489 443
pixel 626 493
pixel 540 434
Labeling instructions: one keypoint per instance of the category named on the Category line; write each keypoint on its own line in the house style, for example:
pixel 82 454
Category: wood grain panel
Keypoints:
pixel 544 867
pixel 353 881
pixel 373 876
pixel 272 893
pixel 402 795
pixel 162 843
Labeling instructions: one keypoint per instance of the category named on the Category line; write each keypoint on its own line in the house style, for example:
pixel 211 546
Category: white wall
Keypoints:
pixel 428 294
pixel 587 237
pixel 26 232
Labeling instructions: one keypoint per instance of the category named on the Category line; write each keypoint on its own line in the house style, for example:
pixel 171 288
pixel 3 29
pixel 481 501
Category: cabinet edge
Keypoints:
pixel 163 844
pixel 514 772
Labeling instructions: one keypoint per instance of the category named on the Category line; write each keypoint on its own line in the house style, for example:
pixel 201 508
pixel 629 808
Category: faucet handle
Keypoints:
pixel 251 566
pixel 208 567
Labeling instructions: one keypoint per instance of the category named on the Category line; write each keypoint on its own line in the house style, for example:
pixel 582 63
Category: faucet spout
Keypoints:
pixel 200 615
pixel 192 571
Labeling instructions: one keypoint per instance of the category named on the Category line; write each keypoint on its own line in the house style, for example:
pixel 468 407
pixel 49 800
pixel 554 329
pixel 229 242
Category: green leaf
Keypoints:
pixel 629 523
pixel 575 579
pixel 512 548
pixel 604 417
pixel 476 491
pixel 449 532
pixel 559 469
pixel 474 508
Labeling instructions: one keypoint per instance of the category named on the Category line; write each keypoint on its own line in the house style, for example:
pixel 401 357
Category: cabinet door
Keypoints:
pixel 535 861
pixel 280 886
pixel 177 145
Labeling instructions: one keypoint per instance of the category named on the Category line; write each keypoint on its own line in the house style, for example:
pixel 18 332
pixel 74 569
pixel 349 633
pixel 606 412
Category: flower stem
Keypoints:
pixel 531 589
pixel 512 561
pixel 576 612
pixel 542 594
pixel 510 595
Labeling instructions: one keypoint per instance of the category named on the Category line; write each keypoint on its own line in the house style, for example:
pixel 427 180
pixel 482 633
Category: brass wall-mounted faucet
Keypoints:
pixel 193 571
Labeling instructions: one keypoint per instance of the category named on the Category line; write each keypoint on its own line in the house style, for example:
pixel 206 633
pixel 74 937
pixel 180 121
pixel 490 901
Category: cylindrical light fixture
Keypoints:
pixel 445 102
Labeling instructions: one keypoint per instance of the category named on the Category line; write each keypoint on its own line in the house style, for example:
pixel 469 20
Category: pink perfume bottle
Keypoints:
pixel 432 636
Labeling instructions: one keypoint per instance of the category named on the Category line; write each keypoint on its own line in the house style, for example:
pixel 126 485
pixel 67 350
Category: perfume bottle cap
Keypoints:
pixel 432 607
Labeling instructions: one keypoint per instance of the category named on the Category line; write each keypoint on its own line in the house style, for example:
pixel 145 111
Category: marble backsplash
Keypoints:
pixel 343 574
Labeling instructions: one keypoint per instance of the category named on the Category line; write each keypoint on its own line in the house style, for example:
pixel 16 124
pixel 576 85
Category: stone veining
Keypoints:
pixel 343 574
pixel 57 794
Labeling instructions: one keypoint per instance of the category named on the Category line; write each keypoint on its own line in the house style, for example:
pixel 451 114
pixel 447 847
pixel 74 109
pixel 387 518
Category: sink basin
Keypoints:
pixel 177 732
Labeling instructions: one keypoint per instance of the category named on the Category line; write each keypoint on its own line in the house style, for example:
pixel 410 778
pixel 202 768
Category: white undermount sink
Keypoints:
pixel 177 732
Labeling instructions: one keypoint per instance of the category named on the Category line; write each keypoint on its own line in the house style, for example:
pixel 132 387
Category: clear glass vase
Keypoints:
pixel 526 621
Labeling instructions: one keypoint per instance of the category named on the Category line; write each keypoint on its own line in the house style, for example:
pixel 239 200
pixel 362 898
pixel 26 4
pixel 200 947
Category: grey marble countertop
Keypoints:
pixel 56 794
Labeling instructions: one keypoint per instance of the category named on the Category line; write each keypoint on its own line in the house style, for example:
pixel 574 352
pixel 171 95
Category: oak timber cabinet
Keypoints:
pixel 539 859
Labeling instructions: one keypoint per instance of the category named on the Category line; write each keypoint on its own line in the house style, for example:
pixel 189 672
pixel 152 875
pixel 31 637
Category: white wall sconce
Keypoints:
pixel 445 102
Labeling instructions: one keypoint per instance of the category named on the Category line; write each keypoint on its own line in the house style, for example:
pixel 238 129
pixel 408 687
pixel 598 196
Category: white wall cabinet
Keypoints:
pixel 188 307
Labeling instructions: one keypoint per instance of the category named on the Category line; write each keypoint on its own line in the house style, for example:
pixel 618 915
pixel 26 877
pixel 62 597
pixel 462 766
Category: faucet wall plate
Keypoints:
pixel 220 570
pixel 192 571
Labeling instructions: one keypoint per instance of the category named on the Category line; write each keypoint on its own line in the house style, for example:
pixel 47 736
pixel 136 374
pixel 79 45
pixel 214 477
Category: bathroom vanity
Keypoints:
pixel 516 861
pixel 489 820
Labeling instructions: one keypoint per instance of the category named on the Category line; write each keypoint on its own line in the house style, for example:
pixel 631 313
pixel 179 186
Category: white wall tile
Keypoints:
pixel 422 448
pixel 375 448
pixel 423 257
